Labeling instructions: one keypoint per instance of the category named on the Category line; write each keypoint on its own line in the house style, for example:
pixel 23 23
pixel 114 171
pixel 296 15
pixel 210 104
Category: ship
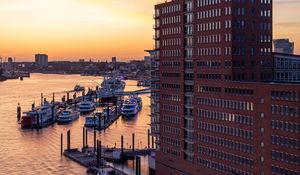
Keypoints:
pixel 40 117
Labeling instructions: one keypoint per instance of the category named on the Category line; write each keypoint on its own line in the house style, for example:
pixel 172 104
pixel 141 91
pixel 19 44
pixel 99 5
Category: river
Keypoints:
pixel 38 152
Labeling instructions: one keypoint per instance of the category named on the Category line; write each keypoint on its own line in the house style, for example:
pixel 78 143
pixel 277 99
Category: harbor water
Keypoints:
pixel 38 152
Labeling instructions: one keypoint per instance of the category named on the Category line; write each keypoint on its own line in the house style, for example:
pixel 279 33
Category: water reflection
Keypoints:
pixel 38 152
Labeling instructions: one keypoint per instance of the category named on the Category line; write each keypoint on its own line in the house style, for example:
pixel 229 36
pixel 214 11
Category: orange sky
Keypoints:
pixel 72 29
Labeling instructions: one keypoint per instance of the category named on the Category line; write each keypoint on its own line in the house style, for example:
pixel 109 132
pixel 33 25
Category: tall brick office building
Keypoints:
pixel 219 111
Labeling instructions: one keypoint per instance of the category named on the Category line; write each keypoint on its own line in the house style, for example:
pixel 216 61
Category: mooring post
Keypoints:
pixel 83 137
pixel 74 98
pixel 98 148
pixel 152 142
pixel 83 94
pixel 69 140
pixel 41 121
pixel 19 112
pixel 136 165
pixel 148 138
pixel 107 117
pixel 122 145
pixel 94 121
pixel 139 165
pixel 94 140
pixel 32 106
pixel 61 144
pixel 38 121
pixel 42 98
pixel 99 122
pixel 86 138
pixel 68 97
pixel 133 142
pixel 53 106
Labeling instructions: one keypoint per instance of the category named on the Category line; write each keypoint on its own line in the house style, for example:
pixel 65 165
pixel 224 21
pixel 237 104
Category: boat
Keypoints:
pixel 68 116
pixel 86 107
pixel 130 108
pixel 143 83
pixel 139 102
pixel 93 119
pixel 101 171
pixel 112 111
pixel 39 117
pixel 111 85
pixel 78 88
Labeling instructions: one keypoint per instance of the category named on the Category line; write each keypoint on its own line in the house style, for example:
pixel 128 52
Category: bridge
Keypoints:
pixel 125 93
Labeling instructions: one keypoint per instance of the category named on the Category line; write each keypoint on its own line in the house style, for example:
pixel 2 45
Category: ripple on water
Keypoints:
pixel 31 152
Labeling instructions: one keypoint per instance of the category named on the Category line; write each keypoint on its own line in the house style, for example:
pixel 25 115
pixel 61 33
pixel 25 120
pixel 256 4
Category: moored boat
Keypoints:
pixel 93 119
pixel 39 117
pixel 68 116
pixel 86 107
pixel 130 108
pixel 79 88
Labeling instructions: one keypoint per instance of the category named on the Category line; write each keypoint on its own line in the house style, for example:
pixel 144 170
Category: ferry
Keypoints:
pixel 68 116
pixel 111 85
pixel 130 108
pixel 39 117
pixel 86 107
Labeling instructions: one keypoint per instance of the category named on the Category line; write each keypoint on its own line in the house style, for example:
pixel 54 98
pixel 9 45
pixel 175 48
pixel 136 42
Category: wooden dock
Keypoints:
pixel 88 157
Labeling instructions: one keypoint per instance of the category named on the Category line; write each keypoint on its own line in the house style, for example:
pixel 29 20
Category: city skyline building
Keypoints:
pixel 41 60
pixel 220 111
pixel 283 46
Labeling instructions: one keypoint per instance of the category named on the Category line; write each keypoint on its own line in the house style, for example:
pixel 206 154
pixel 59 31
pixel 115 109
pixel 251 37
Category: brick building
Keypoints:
pixel 219 110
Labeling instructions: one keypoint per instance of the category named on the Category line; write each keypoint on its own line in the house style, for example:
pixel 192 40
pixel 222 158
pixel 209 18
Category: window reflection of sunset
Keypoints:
pixel 97 28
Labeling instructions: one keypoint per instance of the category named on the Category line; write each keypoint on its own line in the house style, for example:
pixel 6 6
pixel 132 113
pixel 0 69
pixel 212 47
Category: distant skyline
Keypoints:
pixel 99 29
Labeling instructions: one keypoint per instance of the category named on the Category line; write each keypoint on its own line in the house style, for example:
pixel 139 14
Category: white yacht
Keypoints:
pixel 111 85
pixel 86 107
pixel 67 116
pixel 130 108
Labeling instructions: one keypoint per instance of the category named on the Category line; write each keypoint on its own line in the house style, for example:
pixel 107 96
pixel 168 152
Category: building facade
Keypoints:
pixel 283 46
pixel 286 68
pixel 220 112
pixel 41 60
pixel 155 96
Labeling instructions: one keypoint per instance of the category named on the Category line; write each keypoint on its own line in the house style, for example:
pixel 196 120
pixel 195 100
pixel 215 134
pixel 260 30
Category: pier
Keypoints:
pixel 98 155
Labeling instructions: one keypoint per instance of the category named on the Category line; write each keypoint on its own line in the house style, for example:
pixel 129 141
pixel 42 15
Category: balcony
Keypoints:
pixel 189 71
pixel 189 82
pixel 188 58
pixel 189 94
pixel 156 37
pixel 189 128
pixel 189 151
pixel 155 26
pixel 155 16
pixel 189 139
pixel 188 116
pixel 188 105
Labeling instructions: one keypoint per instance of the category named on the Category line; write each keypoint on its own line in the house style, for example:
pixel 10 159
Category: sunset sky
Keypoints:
pixel 98 29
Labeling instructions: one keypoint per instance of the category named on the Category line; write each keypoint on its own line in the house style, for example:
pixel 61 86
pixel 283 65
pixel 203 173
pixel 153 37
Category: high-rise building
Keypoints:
pixel 219 110
pixel 283 46
pixel 41 60
pixel 286 68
